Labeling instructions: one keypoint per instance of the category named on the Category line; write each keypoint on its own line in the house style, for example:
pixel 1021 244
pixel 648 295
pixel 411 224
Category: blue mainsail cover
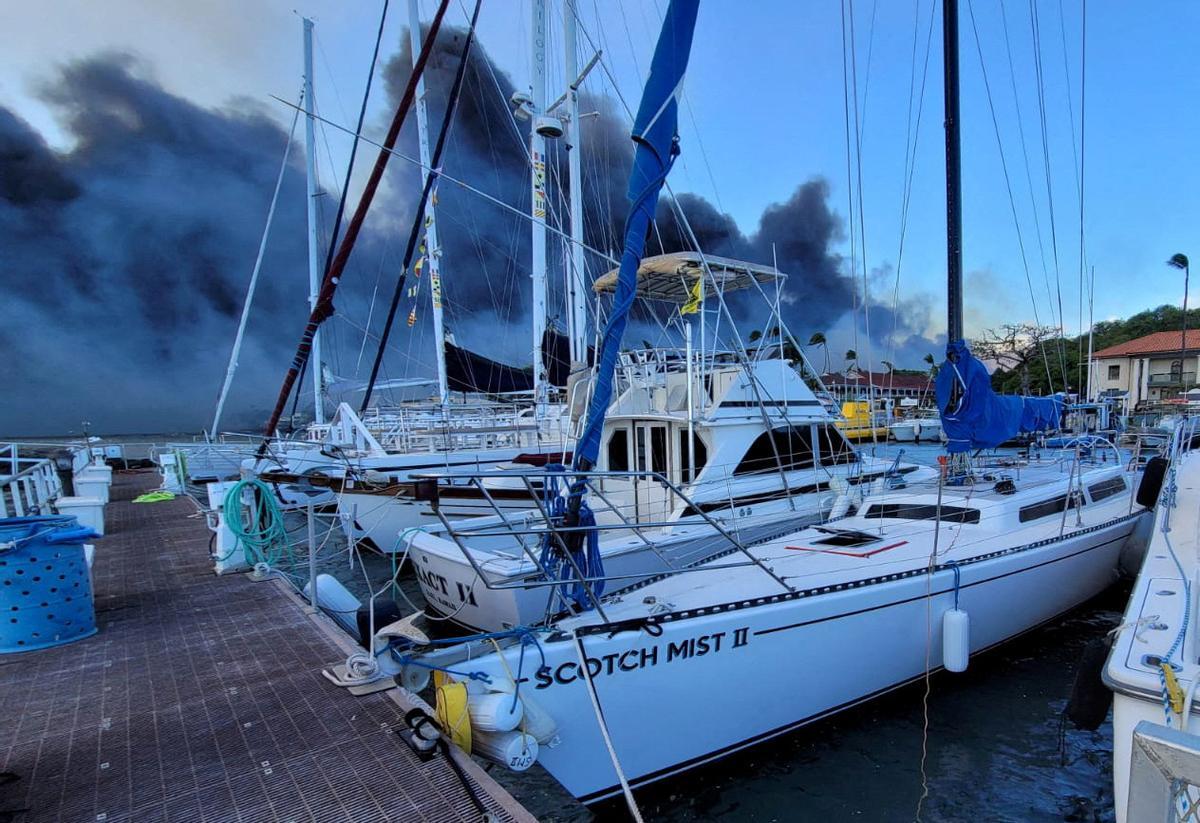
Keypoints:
pixel 654 133
pixel 974 416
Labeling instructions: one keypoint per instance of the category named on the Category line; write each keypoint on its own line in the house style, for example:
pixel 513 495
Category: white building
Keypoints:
pixel 1149 369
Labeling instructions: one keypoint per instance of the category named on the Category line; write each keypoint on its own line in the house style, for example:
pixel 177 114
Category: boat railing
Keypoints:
pixel 29 482
pixel 532 530
pixel 1164 774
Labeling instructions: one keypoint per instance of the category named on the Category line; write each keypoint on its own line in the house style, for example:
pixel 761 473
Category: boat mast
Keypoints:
pixel 433 251
pixel 954 295
pixel 537 158
pixel 314 256
pixel 576 274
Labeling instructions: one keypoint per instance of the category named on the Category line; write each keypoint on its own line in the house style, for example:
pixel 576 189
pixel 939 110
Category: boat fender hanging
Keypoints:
pixel 386 611
pixel 535 720
pixel 515 750
pixel 1090 698
pixel 956 640
pixel 494 711
pixel 1152 481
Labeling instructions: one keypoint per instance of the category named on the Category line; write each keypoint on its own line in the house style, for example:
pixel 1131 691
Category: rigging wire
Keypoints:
pixel 1039 73
pixel 419 216
pixel 345 189
pixel 911 137
pixel 1008 186
pixel 1037 224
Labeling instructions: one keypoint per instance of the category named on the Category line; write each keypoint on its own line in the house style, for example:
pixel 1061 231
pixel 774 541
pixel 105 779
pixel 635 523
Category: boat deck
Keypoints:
pixel 202 699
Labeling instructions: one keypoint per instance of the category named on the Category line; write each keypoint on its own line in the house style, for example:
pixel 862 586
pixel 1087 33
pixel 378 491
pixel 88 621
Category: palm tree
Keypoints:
pixel 851 359
pixel 887 365
pixel 755 334
pixel 818 339
pixel 933 369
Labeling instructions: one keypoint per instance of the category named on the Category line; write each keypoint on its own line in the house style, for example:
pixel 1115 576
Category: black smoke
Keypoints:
pixel 126 254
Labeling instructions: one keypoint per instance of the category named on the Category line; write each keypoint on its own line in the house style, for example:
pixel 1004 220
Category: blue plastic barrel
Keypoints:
pixel 45 587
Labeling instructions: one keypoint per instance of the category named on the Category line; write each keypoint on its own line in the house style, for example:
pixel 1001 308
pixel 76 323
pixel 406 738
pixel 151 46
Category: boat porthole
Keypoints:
pixel 1164 592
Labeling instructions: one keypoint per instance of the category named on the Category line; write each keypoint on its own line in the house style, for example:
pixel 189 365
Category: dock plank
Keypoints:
pixel 201 699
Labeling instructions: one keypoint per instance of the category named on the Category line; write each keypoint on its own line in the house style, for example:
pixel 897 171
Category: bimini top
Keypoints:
pixel 671 277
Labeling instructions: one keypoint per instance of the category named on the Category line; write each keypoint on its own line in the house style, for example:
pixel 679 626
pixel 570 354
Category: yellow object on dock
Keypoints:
pixel 451 710
pixel 860 423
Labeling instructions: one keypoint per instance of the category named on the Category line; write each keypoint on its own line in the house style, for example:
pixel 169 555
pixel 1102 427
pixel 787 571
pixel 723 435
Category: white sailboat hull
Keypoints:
pixel 452 587
pixel 720 678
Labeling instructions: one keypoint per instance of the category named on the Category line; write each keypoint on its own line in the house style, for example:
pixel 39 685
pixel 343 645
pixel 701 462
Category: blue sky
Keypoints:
pixel 765 112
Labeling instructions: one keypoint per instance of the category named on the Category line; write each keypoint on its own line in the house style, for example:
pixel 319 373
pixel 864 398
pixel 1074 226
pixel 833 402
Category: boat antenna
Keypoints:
pixel 419 216
pixel 954 294
pixel 324 304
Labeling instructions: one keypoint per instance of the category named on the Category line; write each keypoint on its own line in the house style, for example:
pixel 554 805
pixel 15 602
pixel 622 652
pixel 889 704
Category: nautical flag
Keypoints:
pixel 417 266
pixel 412 292
pixel 693 304
pixel 412 317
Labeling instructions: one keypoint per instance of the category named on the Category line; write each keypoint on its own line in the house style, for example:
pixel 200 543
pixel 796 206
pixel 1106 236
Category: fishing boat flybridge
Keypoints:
pixel 765 458
pixel 645 680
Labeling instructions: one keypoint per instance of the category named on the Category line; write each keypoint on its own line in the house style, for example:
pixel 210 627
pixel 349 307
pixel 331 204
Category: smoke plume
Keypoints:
pixel 127 254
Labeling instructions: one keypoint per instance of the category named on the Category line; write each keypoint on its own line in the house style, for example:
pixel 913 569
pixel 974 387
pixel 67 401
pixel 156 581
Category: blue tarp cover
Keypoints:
pixel 974 416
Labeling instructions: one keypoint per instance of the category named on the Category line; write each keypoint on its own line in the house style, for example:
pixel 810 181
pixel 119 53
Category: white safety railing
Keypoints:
pixel 28 482
pixel 1164 775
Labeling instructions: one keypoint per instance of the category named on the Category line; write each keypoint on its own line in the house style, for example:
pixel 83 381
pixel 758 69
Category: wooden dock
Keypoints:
pixel 201 699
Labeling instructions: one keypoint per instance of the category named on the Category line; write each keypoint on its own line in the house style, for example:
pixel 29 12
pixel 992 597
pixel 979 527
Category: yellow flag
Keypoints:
pixel 417 266
pixel 693 304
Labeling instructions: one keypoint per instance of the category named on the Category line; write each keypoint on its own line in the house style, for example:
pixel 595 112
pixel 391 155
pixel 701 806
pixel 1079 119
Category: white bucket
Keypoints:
pixel 89 511
pixel 89 483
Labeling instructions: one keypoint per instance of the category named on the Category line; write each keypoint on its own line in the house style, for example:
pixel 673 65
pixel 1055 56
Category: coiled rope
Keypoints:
pixel 264 539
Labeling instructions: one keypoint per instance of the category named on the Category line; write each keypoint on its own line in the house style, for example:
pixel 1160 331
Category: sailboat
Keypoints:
pixel 651 680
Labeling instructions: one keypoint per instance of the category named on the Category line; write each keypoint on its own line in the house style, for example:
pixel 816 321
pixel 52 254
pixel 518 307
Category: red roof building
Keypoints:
pixel 886 384
pixel 1148 369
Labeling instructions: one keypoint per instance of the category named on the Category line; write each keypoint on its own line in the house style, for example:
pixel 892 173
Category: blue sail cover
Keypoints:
pixel 974 416
pixel 654 133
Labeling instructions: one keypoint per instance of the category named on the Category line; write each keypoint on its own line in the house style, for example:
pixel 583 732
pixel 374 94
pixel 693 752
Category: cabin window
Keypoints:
pixel 835 448
pixel 912 511
pixel 701 455
pixel 793 447
pixel 1106 488
pixel 658 450
pixel 847 538
pixel 618 451
pixel 1046 508
pixel 1114 372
